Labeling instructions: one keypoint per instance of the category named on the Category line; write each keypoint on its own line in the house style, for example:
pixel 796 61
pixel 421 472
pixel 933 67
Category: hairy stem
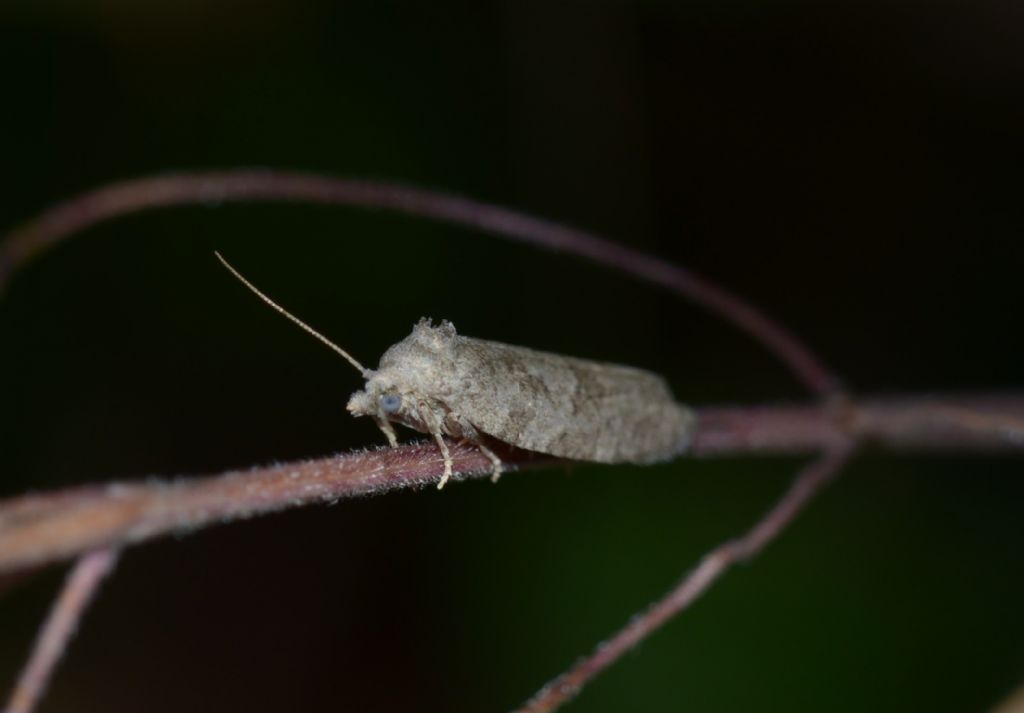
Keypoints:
pixel 40 528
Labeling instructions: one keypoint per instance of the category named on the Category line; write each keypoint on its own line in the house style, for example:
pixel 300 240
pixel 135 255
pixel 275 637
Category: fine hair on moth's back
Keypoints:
pixel 439 382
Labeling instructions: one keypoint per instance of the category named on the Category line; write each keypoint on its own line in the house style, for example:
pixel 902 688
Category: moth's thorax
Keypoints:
pixel 414 371
pixel 421 357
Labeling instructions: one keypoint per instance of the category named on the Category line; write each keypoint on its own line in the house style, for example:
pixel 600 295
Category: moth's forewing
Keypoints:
pixel 567 407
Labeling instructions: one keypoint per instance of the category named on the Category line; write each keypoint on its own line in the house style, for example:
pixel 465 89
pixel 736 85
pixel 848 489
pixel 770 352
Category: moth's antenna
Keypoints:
pixel 362 370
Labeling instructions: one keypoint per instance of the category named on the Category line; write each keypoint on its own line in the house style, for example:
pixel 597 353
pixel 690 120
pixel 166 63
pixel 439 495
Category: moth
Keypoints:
pixel 441 383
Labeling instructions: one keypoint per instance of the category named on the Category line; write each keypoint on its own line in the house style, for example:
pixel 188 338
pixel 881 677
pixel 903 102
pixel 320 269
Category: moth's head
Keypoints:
pixel 413 370
pixel 382 400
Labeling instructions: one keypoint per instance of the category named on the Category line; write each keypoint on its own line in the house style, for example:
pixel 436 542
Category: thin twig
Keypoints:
pixel 77 214
pixel 564 688
pixel 79 589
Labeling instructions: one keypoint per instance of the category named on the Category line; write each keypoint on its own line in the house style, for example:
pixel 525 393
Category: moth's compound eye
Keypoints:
pixel 389 403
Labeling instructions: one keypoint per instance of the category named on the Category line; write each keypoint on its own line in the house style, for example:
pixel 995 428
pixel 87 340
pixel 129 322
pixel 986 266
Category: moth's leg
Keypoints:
pixel 430 420
pixel 496 472
pixel 472 435
pixel 385 425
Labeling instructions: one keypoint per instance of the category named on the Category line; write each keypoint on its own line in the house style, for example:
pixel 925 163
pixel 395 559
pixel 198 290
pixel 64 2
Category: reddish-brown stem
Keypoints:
pixel 77 214
pixel 964 422
pixel 40 528
pixel 79 589
pixel 564 688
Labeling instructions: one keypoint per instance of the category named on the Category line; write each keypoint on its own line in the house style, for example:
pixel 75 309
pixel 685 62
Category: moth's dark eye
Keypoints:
pixel 390 403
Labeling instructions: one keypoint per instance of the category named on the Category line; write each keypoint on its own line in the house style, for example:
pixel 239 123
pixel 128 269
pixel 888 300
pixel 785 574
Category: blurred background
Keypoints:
pixel 854 168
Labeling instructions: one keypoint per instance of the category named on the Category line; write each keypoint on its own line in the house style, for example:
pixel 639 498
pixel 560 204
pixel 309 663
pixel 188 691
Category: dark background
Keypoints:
pixel 853 168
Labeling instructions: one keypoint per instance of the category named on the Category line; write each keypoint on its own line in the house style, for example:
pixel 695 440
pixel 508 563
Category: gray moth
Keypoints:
pixel 439 382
